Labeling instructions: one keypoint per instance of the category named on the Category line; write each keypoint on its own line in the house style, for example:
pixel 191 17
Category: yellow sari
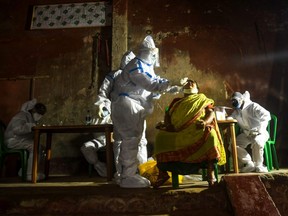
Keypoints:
pixel 189 144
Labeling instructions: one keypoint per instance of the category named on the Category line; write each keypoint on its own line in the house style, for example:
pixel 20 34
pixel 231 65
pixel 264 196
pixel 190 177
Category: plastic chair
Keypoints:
pixel 5 151
pixel 269 148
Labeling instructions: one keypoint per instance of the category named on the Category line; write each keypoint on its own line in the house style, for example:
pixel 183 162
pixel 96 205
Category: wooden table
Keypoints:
pixel 230 124
pixel 49 130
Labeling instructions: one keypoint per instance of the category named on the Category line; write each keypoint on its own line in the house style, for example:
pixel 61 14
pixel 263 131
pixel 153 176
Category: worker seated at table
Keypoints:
pixel 189 134
pixel 19 134
pixel 252 120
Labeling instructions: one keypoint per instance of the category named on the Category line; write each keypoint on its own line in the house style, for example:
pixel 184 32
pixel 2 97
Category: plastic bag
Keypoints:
pixel 150 171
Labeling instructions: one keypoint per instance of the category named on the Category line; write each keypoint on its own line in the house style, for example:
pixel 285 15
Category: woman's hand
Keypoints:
pixel 209 116
pixel 163 126
pixel 160 125
pixel 200 124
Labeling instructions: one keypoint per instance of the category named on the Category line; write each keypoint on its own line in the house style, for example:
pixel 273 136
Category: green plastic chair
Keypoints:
pixel 5 151
pixel 270 153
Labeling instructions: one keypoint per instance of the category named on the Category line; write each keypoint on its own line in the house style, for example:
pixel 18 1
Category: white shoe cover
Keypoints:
pixel 117 178
pixel 101 168
pixel 261 169
pixel 135 181
pixel 250 167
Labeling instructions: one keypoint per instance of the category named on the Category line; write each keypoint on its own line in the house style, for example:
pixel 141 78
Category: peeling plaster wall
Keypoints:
pixel 225 45
pixel 119 32
pixel 211 37
pixel 59 62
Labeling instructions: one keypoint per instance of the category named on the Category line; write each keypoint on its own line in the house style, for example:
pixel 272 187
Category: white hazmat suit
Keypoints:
pixel 90 148
pixel 132 98
pixel 103 103
pixel 19 134
pixel 253 121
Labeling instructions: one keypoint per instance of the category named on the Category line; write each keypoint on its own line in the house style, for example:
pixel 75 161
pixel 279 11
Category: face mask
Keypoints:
pixel 105 112
pixel 37 116
pixel 194 90
pixel 236 104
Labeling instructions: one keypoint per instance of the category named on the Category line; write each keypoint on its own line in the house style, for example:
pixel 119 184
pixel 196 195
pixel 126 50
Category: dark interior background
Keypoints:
pixel 225 45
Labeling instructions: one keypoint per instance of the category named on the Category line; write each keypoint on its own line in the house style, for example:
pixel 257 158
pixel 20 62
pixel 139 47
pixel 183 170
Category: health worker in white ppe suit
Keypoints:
pixel 132 101
pixel 103 103
pixel 90 148
pixel 19 134
pixel 253 121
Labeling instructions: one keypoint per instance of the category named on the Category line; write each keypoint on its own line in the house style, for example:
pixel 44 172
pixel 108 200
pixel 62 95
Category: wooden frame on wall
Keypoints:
pixel 73 15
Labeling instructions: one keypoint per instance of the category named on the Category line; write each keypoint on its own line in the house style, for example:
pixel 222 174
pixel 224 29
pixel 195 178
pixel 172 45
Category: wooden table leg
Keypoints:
pixel 48 154
pixel 234 148
pixel 226 141
pixel 109 154
pixel 35 156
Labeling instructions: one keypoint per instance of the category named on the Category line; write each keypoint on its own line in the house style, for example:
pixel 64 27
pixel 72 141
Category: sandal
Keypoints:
pixel 212 183
pixel 161 179
pixel 210 175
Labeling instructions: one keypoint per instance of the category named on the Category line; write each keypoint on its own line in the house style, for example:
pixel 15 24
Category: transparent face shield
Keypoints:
pixel 155 57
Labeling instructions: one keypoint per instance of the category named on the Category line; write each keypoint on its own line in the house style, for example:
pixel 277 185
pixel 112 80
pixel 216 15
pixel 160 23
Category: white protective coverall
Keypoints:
pixel 19 134
pixel 90 148
pixel 133 93
pixel 253 121
pixel 103 101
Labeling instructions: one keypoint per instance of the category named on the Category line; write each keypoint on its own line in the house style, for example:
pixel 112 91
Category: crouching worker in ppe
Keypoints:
pixel 90 149
pixel 134 91
pixel 253 121
pixel 19 134
pixel 189 135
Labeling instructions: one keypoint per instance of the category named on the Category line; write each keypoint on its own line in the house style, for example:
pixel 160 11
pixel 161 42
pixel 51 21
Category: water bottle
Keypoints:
pixel 88 118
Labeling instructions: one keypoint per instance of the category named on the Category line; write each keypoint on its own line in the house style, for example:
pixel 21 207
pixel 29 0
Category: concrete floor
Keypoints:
pixel 83 195
pixel 193 182
pixel 20 198
pixel 94 185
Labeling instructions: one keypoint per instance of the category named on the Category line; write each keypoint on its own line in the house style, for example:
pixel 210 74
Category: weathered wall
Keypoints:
pixel 54 66
pixel 225 45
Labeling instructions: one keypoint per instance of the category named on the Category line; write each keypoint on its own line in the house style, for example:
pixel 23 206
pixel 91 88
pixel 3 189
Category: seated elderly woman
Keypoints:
pixel 189 134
